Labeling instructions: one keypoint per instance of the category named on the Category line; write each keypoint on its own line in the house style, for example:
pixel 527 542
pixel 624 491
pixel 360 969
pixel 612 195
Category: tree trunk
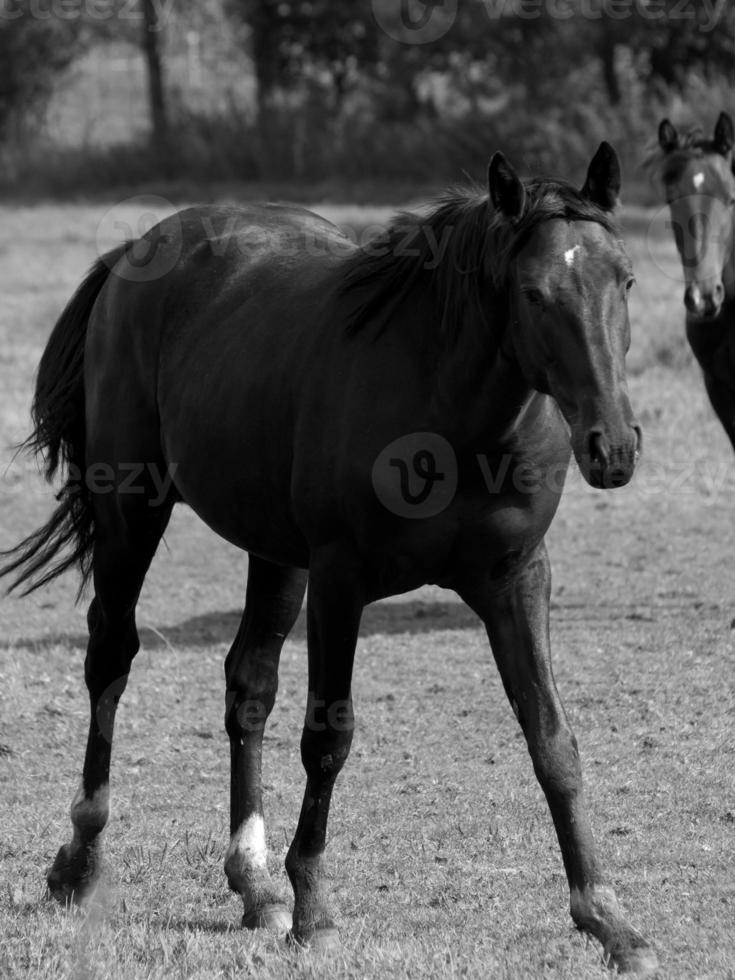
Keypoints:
pixel 156 92
pixel 606 54
pixel 265 25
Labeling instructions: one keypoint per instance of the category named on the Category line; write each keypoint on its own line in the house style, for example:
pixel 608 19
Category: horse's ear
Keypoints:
pixel 506 188
pixel 668 138
pixel 602 185
pixel 724 134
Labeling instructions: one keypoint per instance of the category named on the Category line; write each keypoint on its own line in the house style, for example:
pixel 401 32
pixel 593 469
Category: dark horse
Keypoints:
pixel 700 190
pixel 327 407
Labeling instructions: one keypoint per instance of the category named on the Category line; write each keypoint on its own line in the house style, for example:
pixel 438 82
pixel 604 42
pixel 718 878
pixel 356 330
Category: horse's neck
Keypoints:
pixel 728 273
pixel 477 390
pixel 481 399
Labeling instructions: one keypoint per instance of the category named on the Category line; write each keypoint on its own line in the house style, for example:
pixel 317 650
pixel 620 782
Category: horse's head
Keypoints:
pixel 700 190
pixel 568 279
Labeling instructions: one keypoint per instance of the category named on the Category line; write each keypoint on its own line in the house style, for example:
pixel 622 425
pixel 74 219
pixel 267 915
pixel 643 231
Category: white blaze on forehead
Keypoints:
pixel 569 255
pixel 698 180
pixel 248 843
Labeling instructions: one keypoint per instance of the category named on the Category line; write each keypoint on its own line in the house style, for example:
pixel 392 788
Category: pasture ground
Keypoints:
pixel 442 853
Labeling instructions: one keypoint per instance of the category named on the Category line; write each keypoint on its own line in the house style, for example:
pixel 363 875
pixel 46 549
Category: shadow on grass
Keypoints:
pixel 384 617
pixel 208 629
pixel 391 618
pixel 199 924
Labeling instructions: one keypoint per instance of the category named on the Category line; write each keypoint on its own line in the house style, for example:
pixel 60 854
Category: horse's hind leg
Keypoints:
pixel 127 532
pixel 336 599
pixel 274 597
pixel 516 618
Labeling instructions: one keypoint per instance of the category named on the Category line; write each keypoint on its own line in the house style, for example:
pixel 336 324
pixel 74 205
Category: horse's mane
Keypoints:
pixel 668 165
pixel 477 245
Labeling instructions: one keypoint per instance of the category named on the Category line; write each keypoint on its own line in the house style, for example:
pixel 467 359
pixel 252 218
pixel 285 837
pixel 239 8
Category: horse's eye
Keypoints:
pixel 629 283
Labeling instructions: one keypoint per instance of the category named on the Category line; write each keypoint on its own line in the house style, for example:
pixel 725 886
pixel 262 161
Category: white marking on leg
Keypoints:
pixel 247 848
pixel 569 255
pixel 247 873
pixel 698 180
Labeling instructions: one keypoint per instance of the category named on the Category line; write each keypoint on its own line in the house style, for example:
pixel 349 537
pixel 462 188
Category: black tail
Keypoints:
pixel 59 437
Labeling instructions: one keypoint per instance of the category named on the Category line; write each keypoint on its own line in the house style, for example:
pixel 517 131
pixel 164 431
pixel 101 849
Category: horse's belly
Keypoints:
pixel 244 512
pixel 225 398
pixel 233 467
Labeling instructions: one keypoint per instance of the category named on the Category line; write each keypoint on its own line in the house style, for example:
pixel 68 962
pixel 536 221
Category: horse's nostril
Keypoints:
pixel 693 299
pixel 638 442
pixel 598 449
pixel 712 306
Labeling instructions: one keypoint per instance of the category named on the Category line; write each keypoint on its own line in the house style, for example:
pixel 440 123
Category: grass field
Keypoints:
pixel 442 854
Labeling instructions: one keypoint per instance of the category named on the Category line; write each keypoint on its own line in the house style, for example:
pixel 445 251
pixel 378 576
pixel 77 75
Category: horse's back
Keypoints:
pixel 254 233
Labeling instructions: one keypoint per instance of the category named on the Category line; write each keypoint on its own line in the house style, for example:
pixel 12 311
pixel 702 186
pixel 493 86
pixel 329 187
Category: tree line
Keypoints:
pixel 356 55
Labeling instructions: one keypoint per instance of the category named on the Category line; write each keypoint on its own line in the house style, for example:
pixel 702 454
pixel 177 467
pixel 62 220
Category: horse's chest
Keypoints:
pixel 503 512
pixel 489 531
pixel 496 525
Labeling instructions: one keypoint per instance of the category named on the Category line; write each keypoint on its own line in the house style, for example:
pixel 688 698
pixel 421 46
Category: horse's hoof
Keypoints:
pixel 274 918
pixel 321 941
pixel 640 961
pixel 69 893
pixel 325 941
pixel 66 881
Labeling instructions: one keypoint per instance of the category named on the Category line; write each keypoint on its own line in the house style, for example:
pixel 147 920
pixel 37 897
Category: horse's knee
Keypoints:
pixel 246 715
pixel 326 742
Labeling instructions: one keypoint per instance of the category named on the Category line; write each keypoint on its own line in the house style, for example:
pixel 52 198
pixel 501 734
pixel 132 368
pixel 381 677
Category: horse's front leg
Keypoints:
pixel 722 398
pixel 334 608
pixel 517 620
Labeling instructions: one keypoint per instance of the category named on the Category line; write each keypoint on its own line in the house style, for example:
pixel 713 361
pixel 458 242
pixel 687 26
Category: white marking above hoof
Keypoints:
pixel 248 844
pixel 569 255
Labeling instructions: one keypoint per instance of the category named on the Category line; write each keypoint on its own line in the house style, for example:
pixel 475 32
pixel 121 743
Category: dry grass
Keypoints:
pixel 442 854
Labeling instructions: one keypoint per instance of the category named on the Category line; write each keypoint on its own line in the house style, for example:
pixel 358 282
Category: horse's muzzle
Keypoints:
pixel 605 464
pixel 704 303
